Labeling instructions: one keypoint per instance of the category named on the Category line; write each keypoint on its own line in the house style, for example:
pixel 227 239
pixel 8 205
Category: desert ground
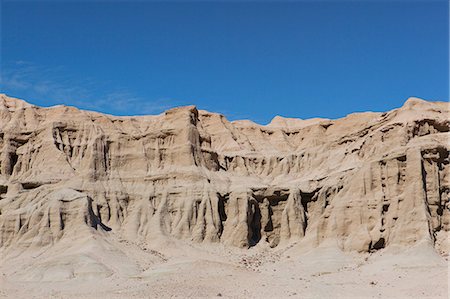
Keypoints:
pixel 210 271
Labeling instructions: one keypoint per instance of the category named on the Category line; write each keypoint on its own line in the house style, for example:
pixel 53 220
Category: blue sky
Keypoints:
pixel 249 60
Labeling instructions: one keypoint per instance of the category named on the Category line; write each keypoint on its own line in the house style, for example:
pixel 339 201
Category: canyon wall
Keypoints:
pixel 362 183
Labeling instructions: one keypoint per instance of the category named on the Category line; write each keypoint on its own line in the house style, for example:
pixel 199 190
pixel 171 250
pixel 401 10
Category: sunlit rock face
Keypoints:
pixel 362 183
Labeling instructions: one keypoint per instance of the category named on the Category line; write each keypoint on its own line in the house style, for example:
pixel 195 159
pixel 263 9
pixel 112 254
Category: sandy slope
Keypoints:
pixel 217 271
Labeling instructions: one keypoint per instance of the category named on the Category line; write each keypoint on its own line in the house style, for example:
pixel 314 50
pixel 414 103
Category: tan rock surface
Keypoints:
pixel 86 195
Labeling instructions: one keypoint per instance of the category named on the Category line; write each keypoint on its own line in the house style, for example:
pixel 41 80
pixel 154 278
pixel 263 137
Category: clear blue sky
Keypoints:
pixel 243 59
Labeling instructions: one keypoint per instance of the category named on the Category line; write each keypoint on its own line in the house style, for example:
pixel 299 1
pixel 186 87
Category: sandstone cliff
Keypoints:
pixel 361 183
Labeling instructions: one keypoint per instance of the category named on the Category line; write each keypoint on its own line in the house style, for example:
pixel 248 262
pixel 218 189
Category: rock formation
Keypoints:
pixel 361 183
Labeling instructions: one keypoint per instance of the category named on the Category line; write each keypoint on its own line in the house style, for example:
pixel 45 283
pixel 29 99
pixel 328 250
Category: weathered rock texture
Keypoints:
pixel 362 183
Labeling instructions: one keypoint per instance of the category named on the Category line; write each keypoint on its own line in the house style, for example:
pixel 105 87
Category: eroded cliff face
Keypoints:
pixel 362 183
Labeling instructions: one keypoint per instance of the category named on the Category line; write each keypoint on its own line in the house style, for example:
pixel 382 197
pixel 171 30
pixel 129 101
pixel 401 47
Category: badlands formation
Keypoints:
pixel 189 204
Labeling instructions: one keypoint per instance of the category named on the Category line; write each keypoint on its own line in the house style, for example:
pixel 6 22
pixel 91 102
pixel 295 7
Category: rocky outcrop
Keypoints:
pixel 363 182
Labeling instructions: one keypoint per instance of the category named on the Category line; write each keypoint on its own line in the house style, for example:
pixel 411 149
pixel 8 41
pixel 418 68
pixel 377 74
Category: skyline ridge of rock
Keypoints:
pixel 276 119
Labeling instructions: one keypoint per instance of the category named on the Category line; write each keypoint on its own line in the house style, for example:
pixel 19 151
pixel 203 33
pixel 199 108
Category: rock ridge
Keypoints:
pixel 362 183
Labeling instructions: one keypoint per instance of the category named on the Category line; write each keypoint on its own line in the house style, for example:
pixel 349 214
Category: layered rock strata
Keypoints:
pixel 362 183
